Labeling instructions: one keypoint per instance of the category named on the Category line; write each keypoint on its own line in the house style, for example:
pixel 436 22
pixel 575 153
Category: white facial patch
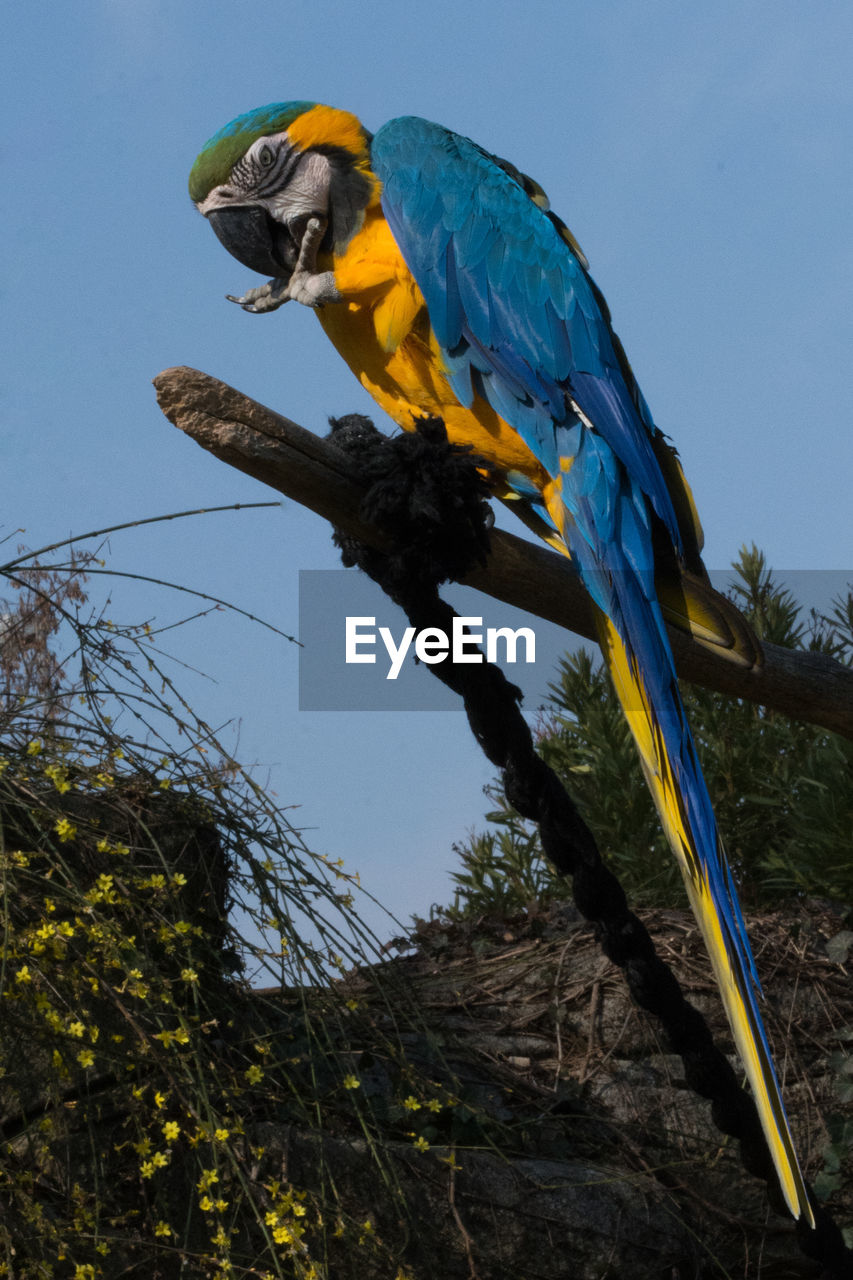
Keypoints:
pixel 306 192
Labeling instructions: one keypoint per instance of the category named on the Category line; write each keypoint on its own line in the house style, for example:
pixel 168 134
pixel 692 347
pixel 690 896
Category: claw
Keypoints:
pixel 267 297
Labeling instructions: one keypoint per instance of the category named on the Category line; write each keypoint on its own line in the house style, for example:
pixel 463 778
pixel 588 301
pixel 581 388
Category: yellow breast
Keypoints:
pixel 382 330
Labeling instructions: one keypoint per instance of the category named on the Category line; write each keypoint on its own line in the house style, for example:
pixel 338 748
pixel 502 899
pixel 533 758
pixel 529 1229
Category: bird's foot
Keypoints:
pixel 267 297
pixel 306 284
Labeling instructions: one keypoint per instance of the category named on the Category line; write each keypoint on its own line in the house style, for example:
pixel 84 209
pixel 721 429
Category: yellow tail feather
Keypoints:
pixel 731 978
pixel 691 604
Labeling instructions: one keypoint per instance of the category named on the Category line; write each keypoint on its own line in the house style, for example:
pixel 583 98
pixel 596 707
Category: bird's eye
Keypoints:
pixel 265 157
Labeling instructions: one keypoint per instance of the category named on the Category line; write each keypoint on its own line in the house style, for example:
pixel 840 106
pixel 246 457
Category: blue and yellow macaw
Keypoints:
pixel 451 290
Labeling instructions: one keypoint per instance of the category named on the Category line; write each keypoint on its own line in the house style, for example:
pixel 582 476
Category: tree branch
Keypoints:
pixel 278 452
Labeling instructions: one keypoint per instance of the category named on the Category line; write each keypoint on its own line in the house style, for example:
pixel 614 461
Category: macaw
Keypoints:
pixel 450 288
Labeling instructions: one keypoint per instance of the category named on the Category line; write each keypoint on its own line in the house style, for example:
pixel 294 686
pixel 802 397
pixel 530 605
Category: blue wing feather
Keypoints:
pixel 520 322
pixel 499 279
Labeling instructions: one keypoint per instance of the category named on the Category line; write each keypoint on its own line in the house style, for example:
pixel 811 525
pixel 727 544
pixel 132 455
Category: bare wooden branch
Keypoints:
pixel 254 439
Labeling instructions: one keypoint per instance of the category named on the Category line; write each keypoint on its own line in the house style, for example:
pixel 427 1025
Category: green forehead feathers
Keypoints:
pixel 218 156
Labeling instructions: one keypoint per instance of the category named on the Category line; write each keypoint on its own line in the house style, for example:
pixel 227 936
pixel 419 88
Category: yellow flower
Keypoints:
pixel 434 1104
pixel 189 975
pixel 282 1235
pixel 34 747
pixel 205 1204
pixel 23 974
pixel 421 1144
pixel 220 1135
pixel 147 1169
pixel 85 1057
pixel 352 1082
pixel 76 1029
pixel 171 1130
pixel 59 777
pixel 159 1099
pixel 254 1074
pixel 65 830
pixel 411 1103
pixel 162 1229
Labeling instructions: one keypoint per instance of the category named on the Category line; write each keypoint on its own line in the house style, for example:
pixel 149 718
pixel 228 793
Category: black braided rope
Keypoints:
pixel 431 498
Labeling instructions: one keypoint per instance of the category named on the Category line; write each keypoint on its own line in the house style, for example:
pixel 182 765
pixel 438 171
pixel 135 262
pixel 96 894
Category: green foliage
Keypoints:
pixel 507 870
pixel 146 1093
pixel 782 789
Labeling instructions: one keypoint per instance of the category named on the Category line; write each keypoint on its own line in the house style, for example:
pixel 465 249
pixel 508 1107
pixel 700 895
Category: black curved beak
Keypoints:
pixel 254 238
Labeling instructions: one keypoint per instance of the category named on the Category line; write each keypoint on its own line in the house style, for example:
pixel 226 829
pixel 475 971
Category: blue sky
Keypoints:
pixel 701 154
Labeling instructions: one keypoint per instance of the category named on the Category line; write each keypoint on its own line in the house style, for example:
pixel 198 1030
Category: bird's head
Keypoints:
pixel 260 179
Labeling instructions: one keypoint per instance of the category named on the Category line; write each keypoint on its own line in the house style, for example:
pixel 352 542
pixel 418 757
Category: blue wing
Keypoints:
pixel 516 315
pixel 519 321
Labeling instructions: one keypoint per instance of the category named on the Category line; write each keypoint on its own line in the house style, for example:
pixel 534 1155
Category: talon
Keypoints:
pixel 267 297
pixel 245 302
